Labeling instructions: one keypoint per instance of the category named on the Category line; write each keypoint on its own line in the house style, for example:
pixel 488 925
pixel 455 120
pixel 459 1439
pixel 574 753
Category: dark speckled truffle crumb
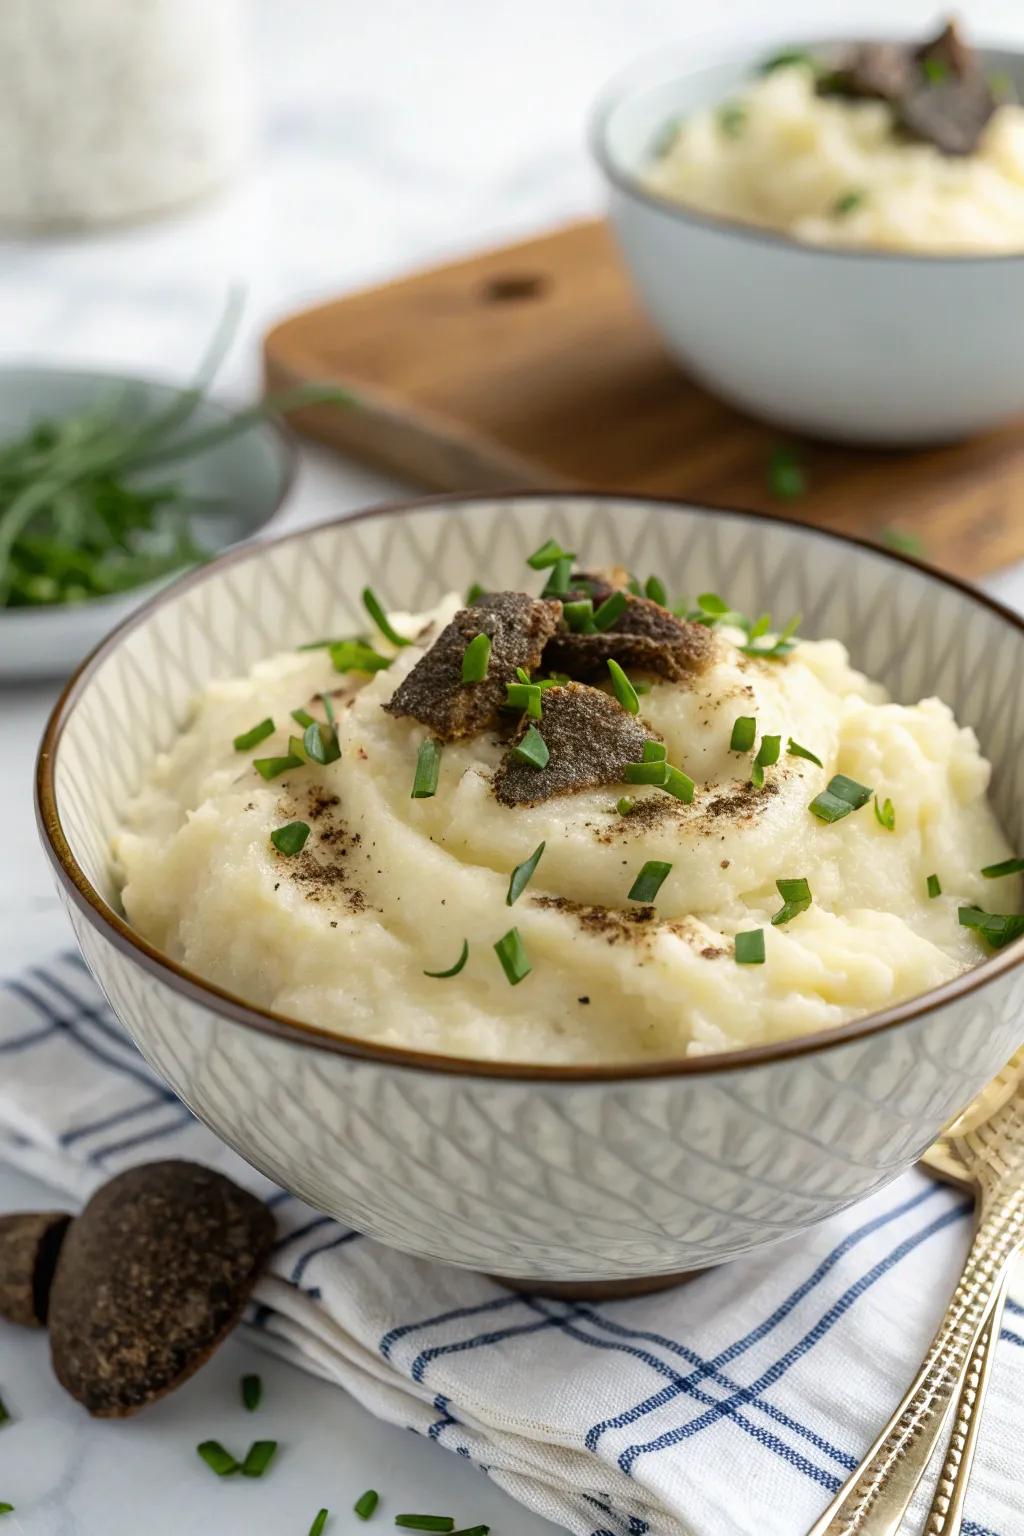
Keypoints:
pixel 645 636
pixel 434 693
pixel 590 739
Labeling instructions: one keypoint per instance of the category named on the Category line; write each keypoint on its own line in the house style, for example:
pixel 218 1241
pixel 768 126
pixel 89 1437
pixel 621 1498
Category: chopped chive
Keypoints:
pixel 510 951
pixel 649 881
pixel 842 796
pixel 372 604
pixel 847 203
pixel 354 656
pixel 453 970
pixel 325 700
pixel 557 584
pixel 654 751
pixel 252 1391
pixel 5 1508
pixel 313 744
pixel 654 588
pixel 796 897
pixel 997 928
pixel 325 645
pixel 428 765
pixel 786 478
pixel 217 1458
pixel 623 689
pixel 679 784
pixel 258 1458
pixel 526 697
pixel 291 838
pixel 255 736
pixel 767 756
pixel 549 554
pixel 271 767
pixel 473 1530
pixel 523 675
pixel 610 610
pixel 785 58
pixel 5 1417
pixel 533 749
pixel 579 615
pixel 749 947
pixel 711 603
pixel 885 814
pixel 731 119
pixel 296 749
pixel 645 773
pixel 367 1502
pixel 624 805
pixel 476 658
pixel 319 1521
pixel 475 590
pixel 1007 867
pixel 781 646
pixel 522 875
pixel 934 888
pixel 796 750
pixel 426 1522
pixel 743 732
pixel 303 717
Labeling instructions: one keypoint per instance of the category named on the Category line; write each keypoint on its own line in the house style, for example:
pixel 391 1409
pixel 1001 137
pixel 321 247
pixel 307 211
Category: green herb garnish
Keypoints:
pixel 428 765
pixel 218 1459
pixel 320 744
pixel 474 591
pixel 355 656
pixel 258 1458
pixel 743 732
pixel 847 203
pixel 453 970
pixel 732 118
pixel 781 646
pixel 366 1503
pixel 5 1508
pixel 624 805
pixel 649 881
pixel 655 751
pixel 786 478
pixel 270 767
pixel 533 749
pixel 767 757
pixel 785 58
pixel 303 717
pixel 252 1392
pixel 426 1522
pixel 654 588
pixel 935 71
pixel 249 739
pixel 645 773
pixel 474 1530
pixel 522 875
pixel 934 888
pixel 291 838
pixel 374 607
pixel 320 1520
pixel 557 584
pixel 842 796
pixel 579 615
pixel 623 689
pixel 1007 867
pixel 796 897
pixel 525 697
pixel 5 1417
pixel 796 750
pixel 678 783
pixel 610 610
pixel 476 658
pixel 997 928
pixel 549 554
pixel 885 814
pixel 749 947
pixel 511 953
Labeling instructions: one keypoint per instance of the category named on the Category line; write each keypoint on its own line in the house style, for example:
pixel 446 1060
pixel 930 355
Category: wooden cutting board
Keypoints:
pixel 532 366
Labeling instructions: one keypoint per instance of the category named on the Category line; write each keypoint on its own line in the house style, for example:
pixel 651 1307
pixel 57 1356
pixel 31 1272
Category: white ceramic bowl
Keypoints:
pixel 557 1174
pixel 860 346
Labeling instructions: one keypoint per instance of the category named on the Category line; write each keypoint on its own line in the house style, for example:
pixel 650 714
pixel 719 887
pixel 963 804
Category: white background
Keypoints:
pixel 391 133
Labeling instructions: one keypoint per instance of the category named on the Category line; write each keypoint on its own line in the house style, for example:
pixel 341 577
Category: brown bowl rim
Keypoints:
pixel 79 889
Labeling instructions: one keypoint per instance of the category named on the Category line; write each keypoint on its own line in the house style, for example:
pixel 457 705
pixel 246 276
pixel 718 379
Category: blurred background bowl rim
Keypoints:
pixel 635 77
pixel 133 946
pixel 288 461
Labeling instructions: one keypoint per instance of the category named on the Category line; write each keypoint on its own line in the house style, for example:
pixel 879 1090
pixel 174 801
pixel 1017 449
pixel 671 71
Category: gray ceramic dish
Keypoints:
pixel 249 477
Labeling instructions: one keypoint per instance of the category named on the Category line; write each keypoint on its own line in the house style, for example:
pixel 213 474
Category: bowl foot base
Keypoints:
pixel 599 1290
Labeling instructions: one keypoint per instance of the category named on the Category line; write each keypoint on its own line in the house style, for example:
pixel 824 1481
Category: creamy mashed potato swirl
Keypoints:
pixel 388 887
pixel 834 171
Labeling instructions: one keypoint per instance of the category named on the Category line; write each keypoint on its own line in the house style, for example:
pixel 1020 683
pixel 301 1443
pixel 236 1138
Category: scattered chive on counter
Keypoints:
pixel 428 766
pixel 749 947
pixel 522 875
pixel 453 970
pixel 374 607
pixel 291 838
pixel 934 888
pixel 533 749
pixel 1007 867
pixel 510 951
pixel 319 1521
pixel 794 749
pixel 796 897
pixel 252 1392
pixel 649 881
pixel 623 689
pixel 443 1523
pixel 249 739
pixel 217 1458
pixel 366 1503
pixel 258 1458
pixel 743 732
pixel 5 1508
pixel 476 659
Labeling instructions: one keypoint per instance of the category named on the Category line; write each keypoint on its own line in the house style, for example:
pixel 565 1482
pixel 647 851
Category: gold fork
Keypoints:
pixel 983 1148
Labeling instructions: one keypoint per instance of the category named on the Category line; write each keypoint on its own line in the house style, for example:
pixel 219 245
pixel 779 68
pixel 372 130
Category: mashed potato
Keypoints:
pixel 833 171
pixel 388 887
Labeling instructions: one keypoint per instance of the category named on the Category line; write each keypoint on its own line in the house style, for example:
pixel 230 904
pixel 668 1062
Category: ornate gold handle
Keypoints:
pixel 876 1497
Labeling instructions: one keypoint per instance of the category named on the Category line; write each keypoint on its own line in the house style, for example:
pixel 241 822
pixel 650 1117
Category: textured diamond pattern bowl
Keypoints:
pixel 557 1174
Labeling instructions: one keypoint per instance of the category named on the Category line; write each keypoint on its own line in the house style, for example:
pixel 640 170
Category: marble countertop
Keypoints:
pixel 391 135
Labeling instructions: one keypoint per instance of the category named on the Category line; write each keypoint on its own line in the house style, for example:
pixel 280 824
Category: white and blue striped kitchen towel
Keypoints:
pixel 732 1406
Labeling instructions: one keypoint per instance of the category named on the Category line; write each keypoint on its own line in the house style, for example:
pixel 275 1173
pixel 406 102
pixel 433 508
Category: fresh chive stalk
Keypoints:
pixel 743 732
pixel 512 954
pixel 623 688
pixel 252 1392
pixel 366 1503
pixel 796 750
pixel 291 838
pixel 453 970
pixel 533 749
pixel 842 796
pixel 649 881
pixel 1007 867
pixel 476 659
pixel 749 947
pixel 796 898
pixel 252 738
pixel 934 888
pixel 549 553
pixel 374 607
pixel 258 1458
pixel 610 611
pixel 217 1458
pixel 443 1523
pixel 522 875
pixel 273 767
pixel 428 767
pixel 885 814
pixel 319 1521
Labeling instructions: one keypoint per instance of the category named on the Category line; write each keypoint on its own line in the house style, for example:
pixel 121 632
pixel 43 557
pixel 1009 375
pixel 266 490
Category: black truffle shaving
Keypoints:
pixel 434 693
pixel 590 738
pixel 645 636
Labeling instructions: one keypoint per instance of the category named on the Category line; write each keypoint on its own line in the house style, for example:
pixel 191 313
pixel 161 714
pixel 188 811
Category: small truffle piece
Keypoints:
pixel 30 1242
pixel 645 635
pixel 949 114
pixel 598 584
pixel 883 71
pixel 434 693
pixel 590 738
pixel 152 1276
